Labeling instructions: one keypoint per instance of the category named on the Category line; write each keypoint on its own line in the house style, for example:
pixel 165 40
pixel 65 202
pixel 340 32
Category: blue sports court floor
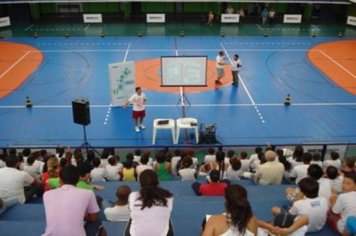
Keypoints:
pixel 252 114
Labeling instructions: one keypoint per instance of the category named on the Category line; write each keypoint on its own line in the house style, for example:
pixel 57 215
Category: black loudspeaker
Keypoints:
pixel 81 113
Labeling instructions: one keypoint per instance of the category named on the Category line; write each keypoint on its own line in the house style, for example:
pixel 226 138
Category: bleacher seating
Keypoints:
pixel 187 215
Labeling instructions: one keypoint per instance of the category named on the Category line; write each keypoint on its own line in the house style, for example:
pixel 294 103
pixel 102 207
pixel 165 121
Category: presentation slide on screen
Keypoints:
pixel 184 71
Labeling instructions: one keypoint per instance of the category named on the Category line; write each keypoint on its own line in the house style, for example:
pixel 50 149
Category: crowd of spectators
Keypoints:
pixel 325 190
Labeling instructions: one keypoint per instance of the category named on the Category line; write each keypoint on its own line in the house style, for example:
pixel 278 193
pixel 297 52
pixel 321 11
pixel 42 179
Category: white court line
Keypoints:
pixel 87 27
pixel 169 50
pixel 258 26
pixel 315 27
pixel 15 63
pixel 29 27
pixel 247 92
pixel 330 58
pixel 196 105
pixel 127 52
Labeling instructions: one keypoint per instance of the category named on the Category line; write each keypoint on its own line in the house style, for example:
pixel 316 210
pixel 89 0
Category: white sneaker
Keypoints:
pixel 142 126
pixel 137 129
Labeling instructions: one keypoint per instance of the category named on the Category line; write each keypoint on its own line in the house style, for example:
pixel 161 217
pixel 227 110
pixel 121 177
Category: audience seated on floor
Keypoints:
pixel 162 167
pixel 217 164
pixel 314 172
pixel 51 170
pixel 287 165
pixel 229 155
pixel 343 205
pixel 213 188
pixel 210 157
pixel 128 172
pixel 105 155
pixel 60 152
pixel 113 168
pixel 245 162
pixel 316 159
pixel 177 156
pixel 15 183
pixel 233 171
pixel 349 165
pixel 150 207
pixel 333 161
pixel 297 158
pixel 31 168
pixel 98 173
pixel 299 172
pixel 143 165
pixel 120 211
pixel 255 159
pixel 335 178
pixel 84 178
pixel 187 172
pixel 270 172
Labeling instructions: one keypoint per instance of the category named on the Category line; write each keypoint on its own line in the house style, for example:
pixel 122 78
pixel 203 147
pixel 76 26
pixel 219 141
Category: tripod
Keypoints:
pixel 86 144
pixel 183 99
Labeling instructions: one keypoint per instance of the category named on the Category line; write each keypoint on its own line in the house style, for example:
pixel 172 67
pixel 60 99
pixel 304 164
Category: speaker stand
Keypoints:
pixel 86 144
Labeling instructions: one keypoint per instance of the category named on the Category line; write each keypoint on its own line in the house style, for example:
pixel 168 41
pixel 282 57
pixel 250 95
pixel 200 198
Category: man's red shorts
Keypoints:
pixel 138 114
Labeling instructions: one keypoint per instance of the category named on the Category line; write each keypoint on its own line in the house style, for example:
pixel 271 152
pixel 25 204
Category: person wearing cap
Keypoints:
pixel 270 172
pixel 213 188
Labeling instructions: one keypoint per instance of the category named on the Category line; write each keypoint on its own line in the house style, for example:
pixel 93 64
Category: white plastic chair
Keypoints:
pixel 157 126
pixel 187 123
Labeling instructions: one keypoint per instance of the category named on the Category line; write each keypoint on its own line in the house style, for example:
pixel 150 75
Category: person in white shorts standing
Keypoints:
pixel 235 67
pixel 138 111
pixel 220 67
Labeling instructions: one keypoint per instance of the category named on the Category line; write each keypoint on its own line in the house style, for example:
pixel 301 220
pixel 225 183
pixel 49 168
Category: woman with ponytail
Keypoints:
pixel 238 220
pixel 50 170
pixel 151 208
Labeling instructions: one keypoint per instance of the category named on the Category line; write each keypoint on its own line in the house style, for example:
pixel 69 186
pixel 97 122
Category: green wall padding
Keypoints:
pixel 157 7
pixel 351 11
pixel 98 7
pixel 35 11
pixel 48 8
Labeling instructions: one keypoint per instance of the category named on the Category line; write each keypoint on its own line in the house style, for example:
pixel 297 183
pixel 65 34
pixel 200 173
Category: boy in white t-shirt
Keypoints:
pixel 314 207
pixel 344 204
pixel 138 111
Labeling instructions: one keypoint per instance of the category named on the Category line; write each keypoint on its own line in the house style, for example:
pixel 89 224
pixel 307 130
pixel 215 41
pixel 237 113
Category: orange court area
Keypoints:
pixel 148 77
pixel 17 63
pixel 337 60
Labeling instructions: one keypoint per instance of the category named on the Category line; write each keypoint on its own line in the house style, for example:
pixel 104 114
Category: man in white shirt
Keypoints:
pixel 334 161
pixel 229 10
pixel 121 211
pixel 270 172
pixel 67 207
pixel 113 169
pixel 138 112
pixel 235 68
pixel 18 184
pixel 210 157
pixel 98 173
pixel 301 171
pixel 220 67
